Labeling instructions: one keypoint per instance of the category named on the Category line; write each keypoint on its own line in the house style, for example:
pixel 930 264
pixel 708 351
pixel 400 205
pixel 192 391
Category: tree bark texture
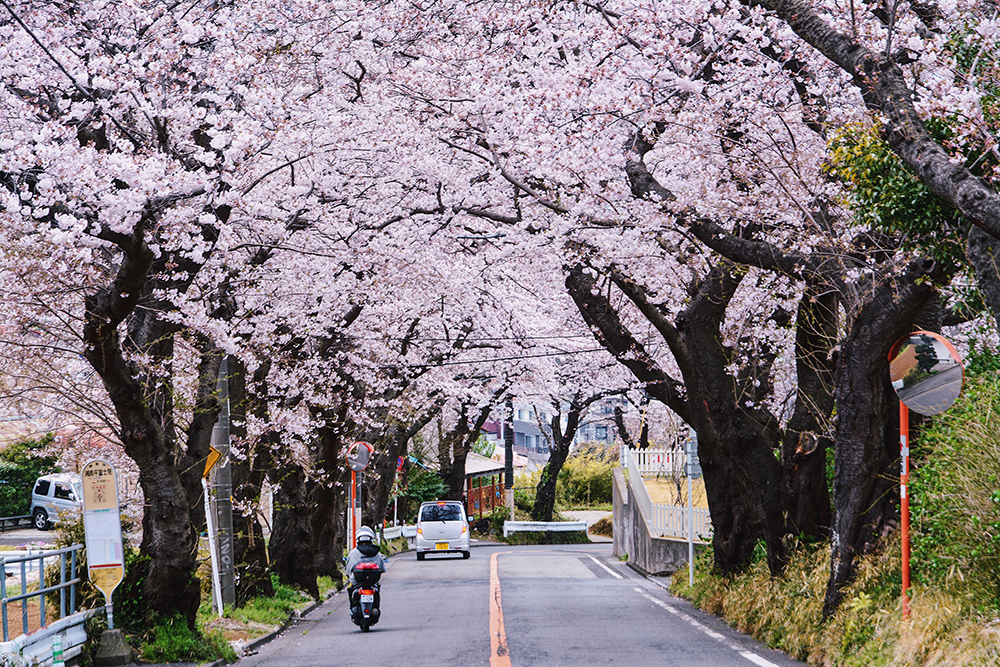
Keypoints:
pixel 249 547
pixel 291 549
pixel 983 252
pixel 736 443
pixel 808 434
pixel 866 476
pixel 169 535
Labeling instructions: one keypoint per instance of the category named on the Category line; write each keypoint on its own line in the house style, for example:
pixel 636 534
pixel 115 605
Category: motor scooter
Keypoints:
pixel 365 596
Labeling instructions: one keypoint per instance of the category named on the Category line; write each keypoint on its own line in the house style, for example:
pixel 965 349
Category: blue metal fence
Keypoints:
pixel 35 562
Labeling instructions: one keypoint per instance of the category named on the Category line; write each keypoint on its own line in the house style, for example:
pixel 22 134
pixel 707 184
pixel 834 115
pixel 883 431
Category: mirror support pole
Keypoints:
pixel 904 500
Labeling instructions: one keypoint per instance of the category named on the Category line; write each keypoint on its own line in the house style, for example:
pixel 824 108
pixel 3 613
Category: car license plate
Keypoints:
pixel 368 598
pixel 442 546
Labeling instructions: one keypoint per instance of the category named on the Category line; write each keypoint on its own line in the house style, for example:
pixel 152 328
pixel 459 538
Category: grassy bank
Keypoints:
pixel 955 599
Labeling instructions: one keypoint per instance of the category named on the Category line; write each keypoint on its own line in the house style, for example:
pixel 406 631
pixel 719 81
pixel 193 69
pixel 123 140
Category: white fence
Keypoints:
pixel 656 462
pixel 663 520
pixel 672 521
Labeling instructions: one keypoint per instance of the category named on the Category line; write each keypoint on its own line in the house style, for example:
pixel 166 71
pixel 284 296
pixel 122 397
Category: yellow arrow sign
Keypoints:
pixel 213 457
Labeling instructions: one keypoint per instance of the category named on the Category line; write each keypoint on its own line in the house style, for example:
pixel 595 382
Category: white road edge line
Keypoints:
pixel 610 571
pixel 752 657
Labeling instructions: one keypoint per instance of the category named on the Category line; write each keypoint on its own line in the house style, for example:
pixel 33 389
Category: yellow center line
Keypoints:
pixel 498 638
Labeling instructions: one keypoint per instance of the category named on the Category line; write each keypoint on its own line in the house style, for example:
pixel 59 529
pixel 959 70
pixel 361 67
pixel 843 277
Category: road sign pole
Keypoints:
pixel 216 583
pixel 926 373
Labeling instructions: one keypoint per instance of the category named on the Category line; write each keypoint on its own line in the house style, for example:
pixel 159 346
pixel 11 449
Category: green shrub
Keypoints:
pixel 585 478
pixel 955 496
pixel 171 640
pixel 421 486
pixel 20 464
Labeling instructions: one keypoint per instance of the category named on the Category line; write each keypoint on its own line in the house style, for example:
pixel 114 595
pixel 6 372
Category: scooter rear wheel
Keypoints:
pixel 364 625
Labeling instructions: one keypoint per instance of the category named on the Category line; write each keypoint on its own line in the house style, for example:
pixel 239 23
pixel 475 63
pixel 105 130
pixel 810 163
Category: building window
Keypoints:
pixel 601 433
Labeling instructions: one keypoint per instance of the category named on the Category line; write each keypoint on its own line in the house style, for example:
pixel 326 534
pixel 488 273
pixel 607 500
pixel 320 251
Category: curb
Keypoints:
pixel 251 646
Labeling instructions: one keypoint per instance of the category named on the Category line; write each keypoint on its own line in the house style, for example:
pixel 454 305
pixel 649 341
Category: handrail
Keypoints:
pixel 64 583
pixel 662 519
pixel 637 486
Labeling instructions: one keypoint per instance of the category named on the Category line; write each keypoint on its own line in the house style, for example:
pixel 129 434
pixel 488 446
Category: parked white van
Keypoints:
pixel 52 494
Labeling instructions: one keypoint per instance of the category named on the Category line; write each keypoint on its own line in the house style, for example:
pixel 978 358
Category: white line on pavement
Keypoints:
pixel 752 657
pixel 613 573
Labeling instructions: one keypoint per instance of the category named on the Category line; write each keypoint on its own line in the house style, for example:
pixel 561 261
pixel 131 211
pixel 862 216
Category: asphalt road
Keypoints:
pixel 518 607
pixel 19 536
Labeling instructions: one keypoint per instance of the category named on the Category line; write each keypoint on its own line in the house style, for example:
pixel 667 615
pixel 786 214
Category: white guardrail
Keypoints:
pixel 542 526
pixel 663 520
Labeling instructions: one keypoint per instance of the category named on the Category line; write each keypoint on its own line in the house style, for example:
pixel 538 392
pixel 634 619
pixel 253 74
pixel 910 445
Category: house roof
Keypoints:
pixel 477 465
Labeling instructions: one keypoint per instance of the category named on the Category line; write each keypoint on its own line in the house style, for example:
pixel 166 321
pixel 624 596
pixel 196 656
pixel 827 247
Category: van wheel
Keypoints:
pixel 40 519
pixel 420 555
pixel 466 554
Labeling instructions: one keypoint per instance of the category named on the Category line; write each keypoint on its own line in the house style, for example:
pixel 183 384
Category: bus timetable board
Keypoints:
pixel 103 526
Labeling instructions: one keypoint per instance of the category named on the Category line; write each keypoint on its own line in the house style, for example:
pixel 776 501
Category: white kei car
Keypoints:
pixel 442 527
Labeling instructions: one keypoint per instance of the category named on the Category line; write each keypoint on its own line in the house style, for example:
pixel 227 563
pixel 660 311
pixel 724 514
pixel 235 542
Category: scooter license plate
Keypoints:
pixel 442 546
pixel 367 597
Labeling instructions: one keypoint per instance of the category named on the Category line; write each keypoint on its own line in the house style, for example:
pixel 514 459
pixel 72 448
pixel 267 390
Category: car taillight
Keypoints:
pixel 465 528
pixel 420 531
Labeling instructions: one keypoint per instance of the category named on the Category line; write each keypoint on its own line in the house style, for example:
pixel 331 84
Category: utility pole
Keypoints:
pixel 222 498
pixel 508 447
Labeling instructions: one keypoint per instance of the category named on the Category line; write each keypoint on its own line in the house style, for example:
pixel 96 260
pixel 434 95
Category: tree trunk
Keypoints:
pixel 169 537
pixel 865 490
pixel 249 463
pixel 983 252
pixel 736 444
pixel 807 434
pixel 292 549
pixel 331 481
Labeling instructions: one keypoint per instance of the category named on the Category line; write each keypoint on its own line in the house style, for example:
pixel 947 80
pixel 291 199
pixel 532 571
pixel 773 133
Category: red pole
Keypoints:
pixel 354 500
pixel 904 499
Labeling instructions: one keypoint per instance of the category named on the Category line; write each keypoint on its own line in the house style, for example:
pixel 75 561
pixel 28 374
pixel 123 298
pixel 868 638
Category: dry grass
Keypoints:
pixel 674 491
pixel 786 612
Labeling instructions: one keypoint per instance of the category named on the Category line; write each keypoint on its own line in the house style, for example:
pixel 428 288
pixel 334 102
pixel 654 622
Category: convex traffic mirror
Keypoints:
pixel 926 373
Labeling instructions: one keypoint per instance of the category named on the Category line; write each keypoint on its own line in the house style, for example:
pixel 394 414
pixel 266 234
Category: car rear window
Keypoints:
pixel 441 513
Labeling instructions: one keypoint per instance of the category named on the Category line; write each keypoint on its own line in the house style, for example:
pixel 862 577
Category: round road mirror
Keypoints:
pixel 359 455
pixel 926 373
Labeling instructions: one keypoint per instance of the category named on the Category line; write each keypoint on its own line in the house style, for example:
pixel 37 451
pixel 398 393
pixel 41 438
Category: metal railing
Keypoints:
pixel 11 522
pixel 35 563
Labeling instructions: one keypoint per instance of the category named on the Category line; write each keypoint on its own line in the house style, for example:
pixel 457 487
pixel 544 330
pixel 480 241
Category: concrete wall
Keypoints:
pixel 652 555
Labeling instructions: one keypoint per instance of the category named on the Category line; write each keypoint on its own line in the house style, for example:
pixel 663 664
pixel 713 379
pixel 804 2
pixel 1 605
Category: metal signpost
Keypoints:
pixel 359 455
pixel 926 372
pixel 691 455
pixel 102 525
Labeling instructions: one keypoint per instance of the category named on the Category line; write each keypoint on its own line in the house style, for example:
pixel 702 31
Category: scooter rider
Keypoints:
pixel 366 551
